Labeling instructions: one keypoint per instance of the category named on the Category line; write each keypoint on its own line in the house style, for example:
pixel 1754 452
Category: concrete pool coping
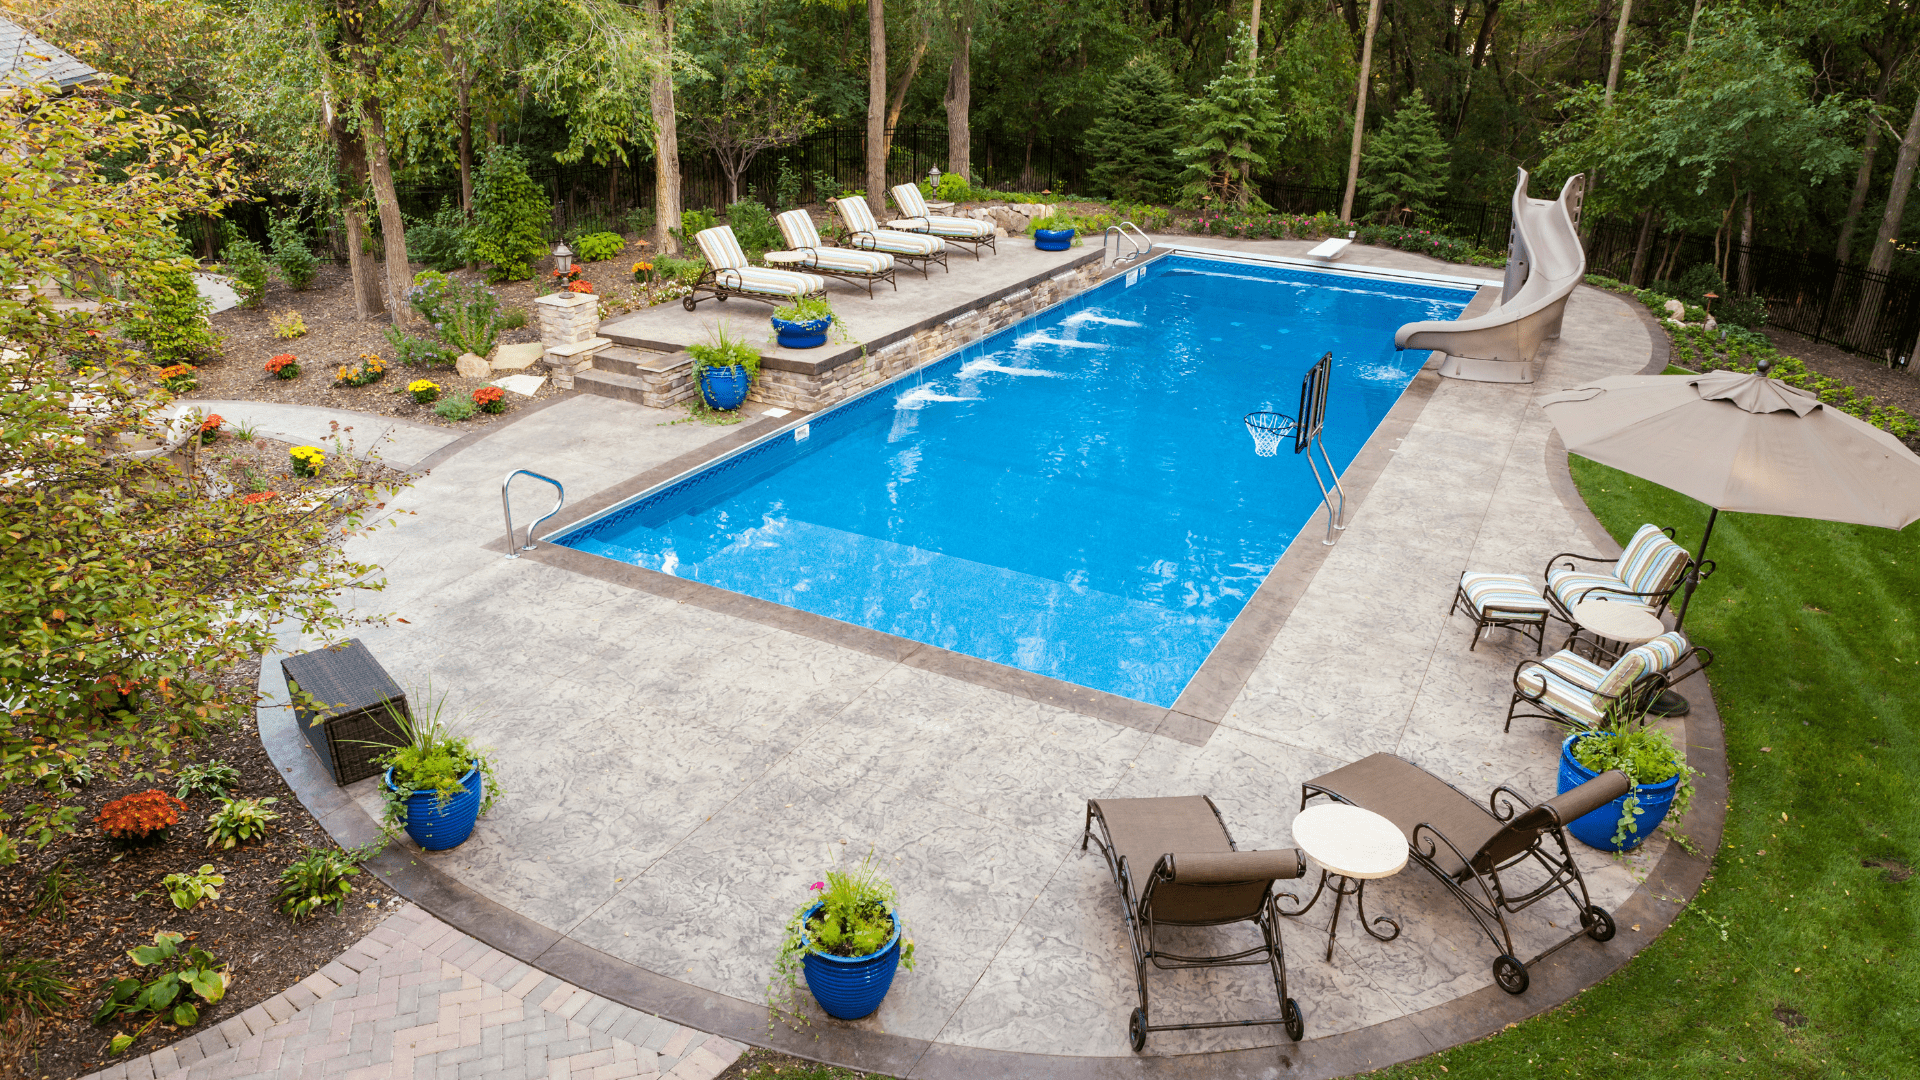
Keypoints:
pixel 1653 904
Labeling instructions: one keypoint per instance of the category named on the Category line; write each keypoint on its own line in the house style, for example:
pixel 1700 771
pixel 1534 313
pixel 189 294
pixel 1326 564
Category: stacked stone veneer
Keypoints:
pixel 669 379
pixel 570 329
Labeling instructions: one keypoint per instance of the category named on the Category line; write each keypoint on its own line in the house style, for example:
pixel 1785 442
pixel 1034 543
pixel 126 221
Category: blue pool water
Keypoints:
pixel 1075 495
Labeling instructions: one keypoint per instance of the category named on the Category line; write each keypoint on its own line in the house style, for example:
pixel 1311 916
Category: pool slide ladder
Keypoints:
pixel 1117 233
pixel 506 508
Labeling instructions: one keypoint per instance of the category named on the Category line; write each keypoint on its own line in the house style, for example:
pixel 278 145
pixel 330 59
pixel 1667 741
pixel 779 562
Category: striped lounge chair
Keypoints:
pixel 1507 600
pixel 866 234
pixel 837 262
pixel 1648 571
pixel 1574 692
pixel 957 229
pixel 729 274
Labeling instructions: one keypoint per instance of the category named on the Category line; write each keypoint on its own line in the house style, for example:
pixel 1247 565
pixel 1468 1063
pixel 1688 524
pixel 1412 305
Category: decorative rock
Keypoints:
pixel 518 357
pixel 524 385
pixel 1712 324
pixel 472 367
pixel 1676 311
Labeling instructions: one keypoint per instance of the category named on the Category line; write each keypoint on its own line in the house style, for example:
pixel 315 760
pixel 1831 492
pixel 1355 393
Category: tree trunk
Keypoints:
pixel 960 97
pixel 1642 247
pixel 1745 280
pixel 1480 44
pixel 367 303
pixel 1863 180
pixel 898 99
pixel 1253 64
pixel 1880 260
pixel 877 107
pixel 666 139
pixel 1360 111
pixel 462 116
pixel 393 228
pixel 1619 49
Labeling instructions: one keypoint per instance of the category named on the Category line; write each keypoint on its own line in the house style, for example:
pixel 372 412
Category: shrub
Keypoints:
pixel 444 241
pixel 287 325
pixel 291 256
pixel 180 977
pixel 318 878
pixel 787 186
pixel 953 187
pixel 599 247
pixel 470 319
pixel 490 399
pixel 142 816
pixel 684 271
pixel 1133 141
pixel 307 460
pixel 371 369
pixel 414 351
pixel 187 890
pixel 510 216
pixel 239 821
pixel 175 329
pixel 212 779
pixel 454 409
pixel 692 222
pixel 753 226
pixel 513 318
pixel 424 391
pixel 428 292
pixel 1748 312
pixel 246 265
pixel 284 366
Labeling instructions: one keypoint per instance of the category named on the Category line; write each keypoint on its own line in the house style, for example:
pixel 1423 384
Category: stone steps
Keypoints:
pixel 612 384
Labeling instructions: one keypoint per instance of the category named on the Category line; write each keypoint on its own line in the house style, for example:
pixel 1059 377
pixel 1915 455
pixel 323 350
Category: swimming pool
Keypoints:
pixel 1074 496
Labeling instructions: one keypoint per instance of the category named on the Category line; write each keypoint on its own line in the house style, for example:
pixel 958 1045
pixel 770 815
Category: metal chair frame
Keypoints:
pixel 1656 601
pixel 1140 926
pixel 1491 616
pixel 1634 700
pixel 715 289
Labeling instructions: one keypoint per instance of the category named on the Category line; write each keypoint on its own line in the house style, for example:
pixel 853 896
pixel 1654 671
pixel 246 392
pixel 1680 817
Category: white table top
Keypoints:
pixel 1614 621
pixel 785 256
pixel 1350 841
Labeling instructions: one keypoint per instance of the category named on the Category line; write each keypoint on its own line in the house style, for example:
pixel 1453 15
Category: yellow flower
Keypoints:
pixel 418 385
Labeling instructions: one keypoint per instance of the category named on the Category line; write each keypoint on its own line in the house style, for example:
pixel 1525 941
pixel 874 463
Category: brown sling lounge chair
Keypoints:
pixel 1176 865
pixel 1469 847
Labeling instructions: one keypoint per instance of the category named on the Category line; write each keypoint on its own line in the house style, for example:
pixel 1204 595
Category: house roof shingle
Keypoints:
pixel 26 57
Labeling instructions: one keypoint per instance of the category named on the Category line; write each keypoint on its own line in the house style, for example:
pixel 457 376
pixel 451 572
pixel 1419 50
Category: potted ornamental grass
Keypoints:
pixel 724 369
pixel 1054 232
pixel 437 781
pixel 804 324
pixel 1653 762
pixel 848 940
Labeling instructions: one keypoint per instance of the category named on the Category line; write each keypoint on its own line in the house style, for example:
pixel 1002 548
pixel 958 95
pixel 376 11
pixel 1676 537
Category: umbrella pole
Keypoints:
pixel 1693 575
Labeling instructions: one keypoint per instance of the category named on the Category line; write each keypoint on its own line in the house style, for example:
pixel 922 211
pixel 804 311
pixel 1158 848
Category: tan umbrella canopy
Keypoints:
pixel 1744 443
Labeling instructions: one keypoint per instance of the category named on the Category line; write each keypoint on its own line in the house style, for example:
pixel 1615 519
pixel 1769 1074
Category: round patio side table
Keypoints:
pixel 1352 846
pixel 786 258
pixel 1610 623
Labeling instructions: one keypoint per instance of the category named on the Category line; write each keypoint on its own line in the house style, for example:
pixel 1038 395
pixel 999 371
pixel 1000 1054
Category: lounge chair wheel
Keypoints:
pixel 1295 1019
pixel 688 303
pixel 1137 1031
pixel 1511 974
pixel 1599 924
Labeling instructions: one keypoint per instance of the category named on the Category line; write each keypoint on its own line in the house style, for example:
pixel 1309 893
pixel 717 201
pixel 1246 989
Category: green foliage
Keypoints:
pixel 513 318
pixel 1234 126
pixel 240 820
pixel 454 408
pixel 444 242
pixel 32 989
pixel 67 774
pixel 469 318
pixel 246 265
pixel 174 327
pixel 723 350
pixel 692 223
pixel 291 256
pixel 510 216
pixel 787 186
pixel 1133 142
pixel 953 188
pixel 186 890
pixel 1405 165
pixel 57 886
pixel 599 247
pixel 684 271
pixel 211 778
pixel 433 755
pixel 809 308
pixel 640 220
pixel 318 878
pixel 428 292
pixel 179 977
pixel 1647 755
pixel 419 351
pixel 754 227
pixel 856 918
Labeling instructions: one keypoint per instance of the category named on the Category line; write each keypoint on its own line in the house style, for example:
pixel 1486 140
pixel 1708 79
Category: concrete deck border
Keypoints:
pixel 1652 907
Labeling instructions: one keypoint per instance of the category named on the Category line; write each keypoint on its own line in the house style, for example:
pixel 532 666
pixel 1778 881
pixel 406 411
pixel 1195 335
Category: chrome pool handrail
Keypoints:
pixel 1120 232
pixel 506 508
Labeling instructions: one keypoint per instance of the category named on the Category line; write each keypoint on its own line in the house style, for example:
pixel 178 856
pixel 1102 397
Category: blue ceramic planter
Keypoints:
pixel 801 335
pixel 850 987
pixel 435 827
pixel 1053 239
pixel 1596 829
pixel 724 388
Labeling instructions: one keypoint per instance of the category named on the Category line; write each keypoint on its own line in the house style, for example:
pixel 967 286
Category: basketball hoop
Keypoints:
pixel 1267 429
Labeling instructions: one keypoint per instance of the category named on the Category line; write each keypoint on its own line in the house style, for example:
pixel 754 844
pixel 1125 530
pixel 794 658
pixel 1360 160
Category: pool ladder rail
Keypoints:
pixel 506 508
pixel 1117 233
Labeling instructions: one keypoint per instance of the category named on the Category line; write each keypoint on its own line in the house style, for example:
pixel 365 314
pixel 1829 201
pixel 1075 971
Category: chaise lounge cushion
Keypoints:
pixel 729 262
pixel 1651 563
pixel 1213 882
pixel 914 206
pixel 801 235
pixel 869 236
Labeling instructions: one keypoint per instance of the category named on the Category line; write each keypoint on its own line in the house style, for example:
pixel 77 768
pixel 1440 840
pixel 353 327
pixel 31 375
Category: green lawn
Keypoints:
pixel 1817 675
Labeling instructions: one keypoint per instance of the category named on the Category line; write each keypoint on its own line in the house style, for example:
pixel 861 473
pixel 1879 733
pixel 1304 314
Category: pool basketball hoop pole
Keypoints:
pixel 1268 428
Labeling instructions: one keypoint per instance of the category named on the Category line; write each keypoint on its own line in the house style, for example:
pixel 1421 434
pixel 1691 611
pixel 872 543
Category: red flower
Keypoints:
pixel 211 423
pixel 580 286
pixel 487 395
pixel 258 497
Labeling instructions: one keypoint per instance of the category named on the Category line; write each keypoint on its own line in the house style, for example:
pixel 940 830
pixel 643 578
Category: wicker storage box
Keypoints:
pixel 350 693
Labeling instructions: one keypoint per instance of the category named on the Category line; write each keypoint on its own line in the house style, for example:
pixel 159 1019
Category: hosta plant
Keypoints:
pixel 240 820
pixel 319 878
pixel 211 778
pixel 183 981
pixel 186 890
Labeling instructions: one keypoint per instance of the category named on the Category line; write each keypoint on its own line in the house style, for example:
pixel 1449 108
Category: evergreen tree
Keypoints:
pixel 1134 141
pixel 1405 166
pixel 1233 126
pixel 510 216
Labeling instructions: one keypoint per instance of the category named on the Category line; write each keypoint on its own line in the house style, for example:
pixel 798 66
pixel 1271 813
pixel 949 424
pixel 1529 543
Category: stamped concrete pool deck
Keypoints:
pixel 681 763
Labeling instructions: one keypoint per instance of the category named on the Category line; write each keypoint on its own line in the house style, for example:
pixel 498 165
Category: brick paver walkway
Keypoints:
pixel 418 999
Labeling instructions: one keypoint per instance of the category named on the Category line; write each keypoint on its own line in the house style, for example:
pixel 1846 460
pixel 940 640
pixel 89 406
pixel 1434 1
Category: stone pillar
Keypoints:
pixel 569 328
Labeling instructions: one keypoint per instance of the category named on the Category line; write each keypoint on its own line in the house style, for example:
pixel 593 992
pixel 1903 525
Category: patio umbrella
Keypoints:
pixel 1741 442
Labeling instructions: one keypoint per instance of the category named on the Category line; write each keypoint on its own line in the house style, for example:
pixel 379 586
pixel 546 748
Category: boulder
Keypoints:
pixel 1676 310
pixel 472 367
pixel 518 357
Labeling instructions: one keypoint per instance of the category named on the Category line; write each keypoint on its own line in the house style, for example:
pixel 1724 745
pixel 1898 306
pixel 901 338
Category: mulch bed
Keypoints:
pixel 120 905
pixel 1866 375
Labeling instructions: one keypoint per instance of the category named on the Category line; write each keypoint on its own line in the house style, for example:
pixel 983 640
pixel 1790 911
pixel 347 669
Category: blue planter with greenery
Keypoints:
pixel 1597 829
pixel 437 826
pixel 850 987
pixel 724 388
pixel 1053 239
pixel 810 334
